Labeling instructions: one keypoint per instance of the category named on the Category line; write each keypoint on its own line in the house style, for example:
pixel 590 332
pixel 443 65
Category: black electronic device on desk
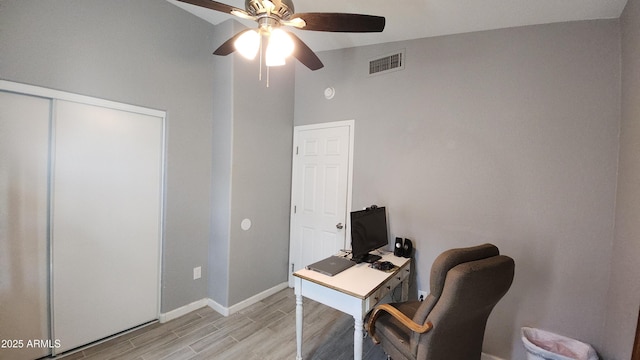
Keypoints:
pixel 386 266
pixel 368 233
pixel 403 249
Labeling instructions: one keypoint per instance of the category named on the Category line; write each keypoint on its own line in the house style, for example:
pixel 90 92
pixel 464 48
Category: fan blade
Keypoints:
pixel 228 47
pixel 341 22
pixel 304 54
pixel 214 5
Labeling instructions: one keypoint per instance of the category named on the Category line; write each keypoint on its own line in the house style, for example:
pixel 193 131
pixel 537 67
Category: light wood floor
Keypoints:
pixel 266 330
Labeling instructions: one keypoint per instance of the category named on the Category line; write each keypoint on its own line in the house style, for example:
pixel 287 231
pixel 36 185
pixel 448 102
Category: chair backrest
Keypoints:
pixel 465 286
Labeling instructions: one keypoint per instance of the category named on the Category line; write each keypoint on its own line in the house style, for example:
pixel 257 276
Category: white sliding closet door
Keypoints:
pixel 24 159
pixel 106 227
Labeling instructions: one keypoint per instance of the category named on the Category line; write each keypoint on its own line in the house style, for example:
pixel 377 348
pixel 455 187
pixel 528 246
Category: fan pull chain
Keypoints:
pixel 267 76
pixel 261 60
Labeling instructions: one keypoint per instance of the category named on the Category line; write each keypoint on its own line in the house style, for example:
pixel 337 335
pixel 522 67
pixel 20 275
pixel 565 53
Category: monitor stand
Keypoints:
pixel 368 258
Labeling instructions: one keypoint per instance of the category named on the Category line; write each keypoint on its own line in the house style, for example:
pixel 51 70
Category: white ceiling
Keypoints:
pixel 413 19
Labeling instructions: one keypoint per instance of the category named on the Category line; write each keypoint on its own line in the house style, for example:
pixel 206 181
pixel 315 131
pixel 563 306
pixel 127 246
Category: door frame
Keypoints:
pixel 296 134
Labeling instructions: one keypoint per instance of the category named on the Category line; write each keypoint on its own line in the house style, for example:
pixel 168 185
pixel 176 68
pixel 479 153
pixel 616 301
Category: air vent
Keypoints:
pixel 387 63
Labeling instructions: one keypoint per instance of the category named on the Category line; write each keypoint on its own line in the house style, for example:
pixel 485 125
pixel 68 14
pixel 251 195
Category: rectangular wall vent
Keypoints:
pixel 387 63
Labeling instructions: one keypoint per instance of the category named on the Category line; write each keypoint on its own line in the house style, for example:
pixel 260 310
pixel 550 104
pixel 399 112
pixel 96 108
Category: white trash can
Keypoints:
pixel 544 345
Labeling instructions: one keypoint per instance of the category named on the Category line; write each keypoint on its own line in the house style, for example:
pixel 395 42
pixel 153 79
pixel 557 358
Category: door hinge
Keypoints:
pixel 295 209
pixel 292 265
pixel 296 150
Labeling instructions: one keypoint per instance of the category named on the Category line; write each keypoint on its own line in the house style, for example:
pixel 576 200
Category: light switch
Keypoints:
pixel 197 273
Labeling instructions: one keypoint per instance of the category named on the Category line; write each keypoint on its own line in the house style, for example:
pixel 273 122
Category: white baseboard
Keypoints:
pixel 248 302
pixel 174 314
pixel 489 357
pixel 225 311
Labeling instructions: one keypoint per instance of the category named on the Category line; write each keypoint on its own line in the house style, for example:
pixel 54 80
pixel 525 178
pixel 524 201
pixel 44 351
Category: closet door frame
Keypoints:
pixel 24 214
pixel 54 95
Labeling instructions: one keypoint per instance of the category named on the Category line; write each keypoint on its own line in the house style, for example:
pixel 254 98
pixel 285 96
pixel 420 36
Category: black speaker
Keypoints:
pixel 399 248
pixel 407 249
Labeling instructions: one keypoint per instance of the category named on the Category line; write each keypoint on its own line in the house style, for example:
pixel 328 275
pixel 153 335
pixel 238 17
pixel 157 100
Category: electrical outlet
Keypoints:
pixel 197 273
pixel 422 295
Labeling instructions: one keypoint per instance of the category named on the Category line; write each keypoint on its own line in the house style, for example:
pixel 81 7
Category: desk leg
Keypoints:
pixel 358 337
pixel 405 290
pixel 299 322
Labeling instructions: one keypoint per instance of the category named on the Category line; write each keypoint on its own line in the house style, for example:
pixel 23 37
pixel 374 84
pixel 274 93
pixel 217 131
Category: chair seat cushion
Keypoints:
pixel 391 331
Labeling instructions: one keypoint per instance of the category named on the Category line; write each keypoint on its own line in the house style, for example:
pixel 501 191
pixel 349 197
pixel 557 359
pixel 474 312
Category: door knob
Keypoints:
pixel 339 225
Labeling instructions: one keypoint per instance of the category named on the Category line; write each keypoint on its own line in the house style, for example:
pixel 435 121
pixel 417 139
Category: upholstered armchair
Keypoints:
pixel 449 324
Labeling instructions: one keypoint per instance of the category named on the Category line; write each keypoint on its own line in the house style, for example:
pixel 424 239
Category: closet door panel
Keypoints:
pixel 106 231
pixel 24 148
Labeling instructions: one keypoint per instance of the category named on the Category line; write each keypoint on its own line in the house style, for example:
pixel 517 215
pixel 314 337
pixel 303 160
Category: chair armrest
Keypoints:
pixel 404 320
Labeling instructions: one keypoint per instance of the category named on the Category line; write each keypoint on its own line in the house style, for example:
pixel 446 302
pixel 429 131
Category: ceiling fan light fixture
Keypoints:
pixel 280 46
pixel 281 41
pixel 272 58
pixel 248 44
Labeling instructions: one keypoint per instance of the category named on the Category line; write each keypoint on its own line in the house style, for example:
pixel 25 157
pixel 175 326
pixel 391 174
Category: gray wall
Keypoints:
pixel 624 292
pixel 253 176
pixel 148 53
pixel 261 173
pixel 506 136
pixel 221 176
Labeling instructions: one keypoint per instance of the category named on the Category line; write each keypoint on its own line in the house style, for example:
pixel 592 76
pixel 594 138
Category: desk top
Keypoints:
pixel 359 280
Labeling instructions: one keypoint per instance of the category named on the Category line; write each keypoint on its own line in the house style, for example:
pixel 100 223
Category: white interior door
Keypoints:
pixel 321 196
pixel 106 230
pixel 24 163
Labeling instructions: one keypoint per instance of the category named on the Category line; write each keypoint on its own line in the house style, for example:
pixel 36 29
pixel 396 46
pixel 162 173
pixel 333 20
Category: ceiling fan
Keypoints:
pixel 271 15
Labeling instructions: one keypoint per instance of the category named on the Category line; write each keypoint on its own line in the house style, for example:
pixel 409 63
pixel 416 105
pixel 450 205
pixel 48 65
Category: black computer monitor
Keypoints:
pixel 368 232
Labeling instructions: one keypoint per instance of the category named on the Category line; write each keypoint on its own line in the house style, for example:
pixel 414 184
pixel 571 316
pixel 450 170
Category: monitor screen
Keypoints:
pixel 368 231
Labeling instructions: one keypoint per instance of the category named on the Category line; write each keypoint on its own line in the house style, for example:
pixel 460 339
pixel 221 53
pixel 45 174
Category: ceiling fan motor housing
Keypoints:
pixel 282 8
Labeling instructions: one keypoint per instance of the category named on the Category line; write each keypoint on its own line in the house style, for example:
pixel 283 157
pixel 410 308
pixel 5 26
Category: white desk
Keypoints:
pixel 354 291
